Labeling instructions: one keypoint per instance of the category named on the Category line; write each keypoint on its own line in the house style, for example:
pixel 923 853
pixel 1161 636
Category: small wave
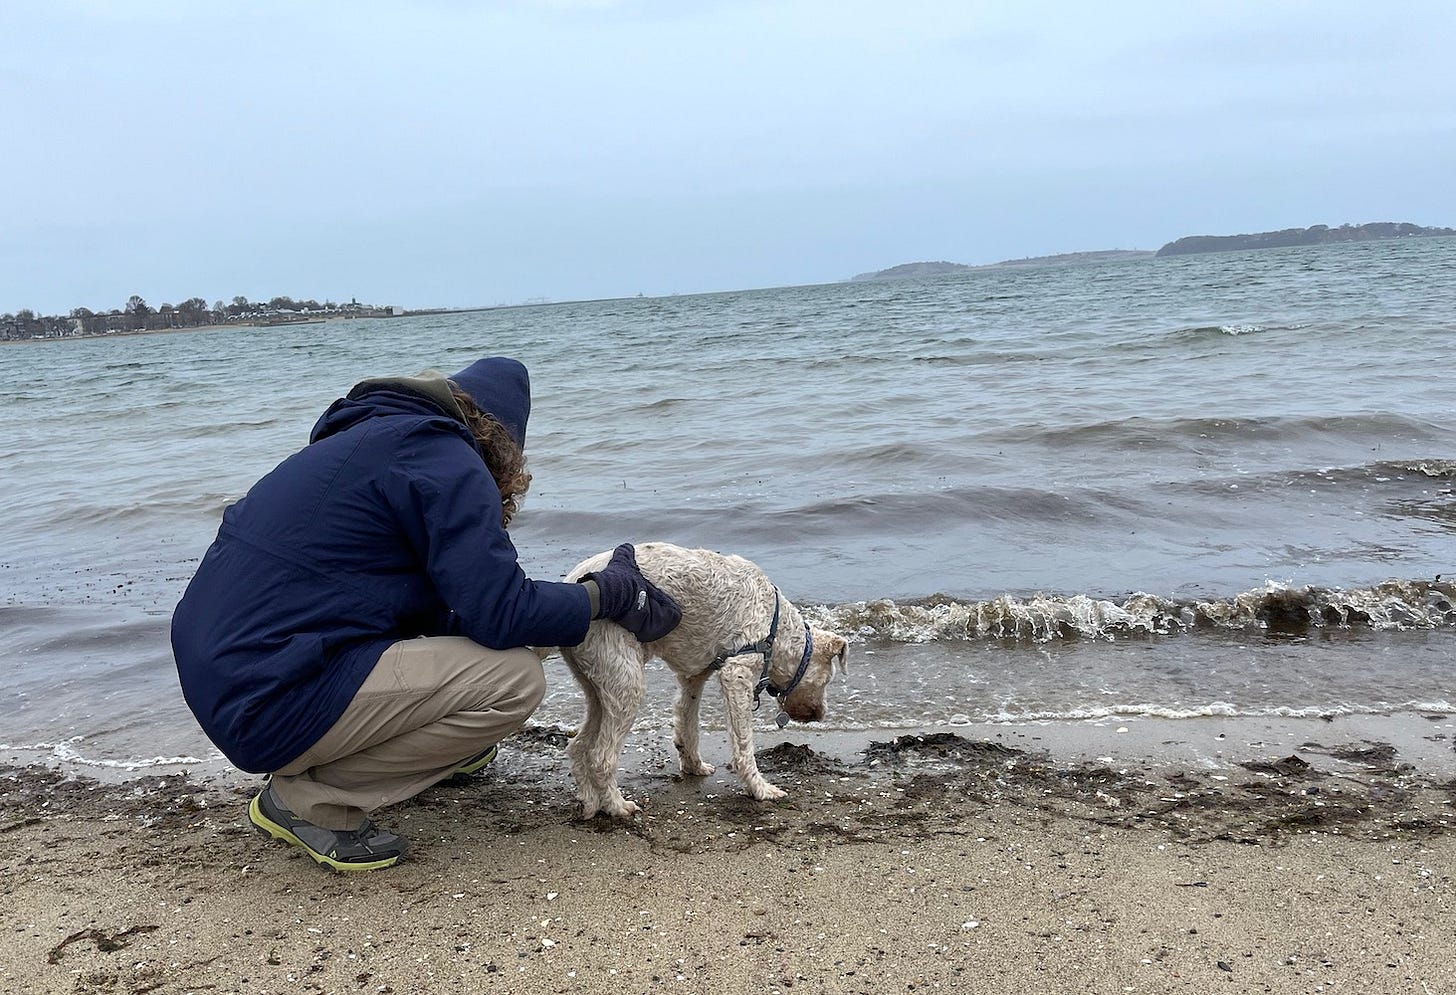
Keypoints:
pixel 1214 709
pixel 153 509
pixel 1179 433
pixel 1381 472
pixel 979 359
pixel 1204 332
pixel 206 429
pixel 1394 605
pixel 984 504
pixel 66 752
pixel 1114 713
pixel 664 404
pixel 878 456
pixel 1441 468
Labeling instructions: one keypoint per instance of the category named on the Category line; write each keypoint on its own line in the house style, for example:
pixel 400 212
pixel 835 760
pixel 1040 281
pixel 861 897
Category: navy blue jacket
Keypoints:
pixel 385 527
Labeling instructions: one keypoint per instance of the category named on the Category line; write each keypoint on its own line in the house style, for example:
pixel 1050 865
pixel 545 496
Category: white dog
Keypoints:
pixel 734 624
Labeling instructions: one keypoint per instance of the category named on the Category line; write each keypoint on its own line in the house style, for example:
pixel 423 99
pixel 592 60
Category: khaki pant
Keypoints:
pixel 429 704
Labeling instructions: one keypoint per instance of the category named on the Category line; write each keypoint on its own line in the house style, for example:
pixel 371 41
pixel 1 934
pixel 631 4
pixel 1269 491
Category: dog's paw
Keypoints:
pixel 620 813
pixel 700 769
pixel 766 792
pixel 622 810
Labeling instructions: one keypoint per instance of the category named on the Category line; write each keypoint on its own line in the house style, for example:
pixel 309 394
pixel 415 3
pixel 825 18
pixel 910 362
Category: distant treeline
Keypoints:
pixel 138 316
pixel 941 267
pixel 1317 235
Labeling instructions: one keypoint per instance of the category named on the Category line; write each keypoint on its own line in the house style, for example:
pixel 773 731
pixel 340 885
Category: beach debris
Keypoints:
pixel 798 758
pixel 552 735
pixel 105 942
pixel 938 746
pixel 1290 766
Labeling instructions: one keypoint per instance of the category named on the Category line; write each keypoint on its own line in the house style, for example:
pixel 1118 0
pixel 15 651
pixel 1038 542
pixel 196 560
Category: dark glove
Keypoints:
pixel 633 601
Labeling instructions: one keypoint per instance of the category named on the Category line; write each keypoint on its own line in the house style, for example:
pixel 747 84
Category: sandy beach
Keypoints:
pixel 1016 860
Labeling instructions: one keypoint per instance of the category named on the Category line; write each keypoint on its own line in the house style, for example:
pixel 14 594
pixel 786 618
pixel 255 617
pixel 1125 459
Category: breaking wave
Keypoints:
pixel 1279 609
pixel 1203 332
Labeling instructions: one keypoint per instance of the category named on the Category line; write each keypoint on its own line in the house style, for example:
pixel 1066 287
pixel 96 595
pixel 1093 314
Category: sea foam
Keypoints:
pixel 1393 605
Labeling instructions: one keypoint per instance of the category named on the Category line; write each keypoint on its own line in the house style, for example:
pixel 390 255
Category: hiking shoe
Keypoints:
pixel 367 848
pixel 475 764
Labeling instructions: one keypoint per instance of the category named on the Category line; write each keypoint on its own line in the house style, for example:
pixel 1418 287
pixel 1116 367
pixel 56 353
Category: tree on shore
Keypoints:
pixel 137 315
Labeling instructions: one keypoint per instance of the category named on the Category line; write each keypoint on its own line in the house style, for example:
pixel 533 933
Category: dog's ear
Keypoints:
pixel 839 649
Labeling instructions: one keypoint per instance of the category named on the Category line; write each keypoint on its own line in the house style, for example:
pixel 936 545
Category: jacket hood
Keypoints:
pixel 502 389
pixel 427 395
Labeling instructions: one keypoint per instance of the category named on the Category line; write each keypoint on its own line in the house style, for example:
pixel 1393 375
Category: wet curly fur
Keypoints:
pixel 727 603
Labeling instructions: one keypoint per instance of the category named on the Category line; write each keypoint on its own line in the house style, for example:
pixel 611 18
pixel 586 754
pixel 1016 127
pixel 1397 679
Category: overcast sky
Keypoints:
pixel 457 153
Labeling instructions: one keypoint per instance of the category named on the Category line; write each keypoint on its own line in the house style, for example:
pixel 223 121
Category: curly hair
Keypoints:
pixel 503 458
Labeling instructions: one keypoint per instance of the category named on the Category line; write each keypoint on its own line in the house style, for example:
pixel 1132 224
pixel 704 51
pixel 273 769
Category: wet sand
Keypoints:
pixel 1045 859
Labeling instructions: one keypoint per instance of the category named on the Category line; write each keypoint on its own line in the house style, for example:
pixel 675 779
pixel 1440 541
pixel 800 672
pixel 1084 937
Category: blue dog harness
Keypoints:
pixel 764 647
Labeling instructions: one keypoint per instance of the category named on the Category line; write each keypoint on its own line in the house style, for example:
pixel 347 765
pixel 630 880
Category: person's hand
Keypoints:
pixel 633 601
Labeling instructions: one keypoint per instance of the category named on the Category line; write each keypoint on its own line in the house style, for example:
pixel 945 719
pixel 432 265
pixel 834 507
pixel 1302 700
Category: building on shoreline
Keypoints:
pixel 137 317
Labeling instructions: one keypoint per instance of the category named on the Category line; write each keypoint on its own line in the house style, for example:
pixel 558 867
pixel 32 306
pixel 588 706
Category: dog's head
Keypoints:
pixel 806 702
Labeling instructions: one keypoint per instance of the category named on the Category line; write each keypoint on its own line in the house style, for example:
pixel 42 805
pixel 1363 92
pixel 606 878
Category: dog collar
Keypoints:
pixel 764 684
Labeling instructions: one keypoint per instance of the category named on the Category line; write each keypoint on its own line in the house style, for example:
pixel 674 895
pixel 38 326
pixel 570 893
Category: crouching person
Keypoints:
pixel 358 628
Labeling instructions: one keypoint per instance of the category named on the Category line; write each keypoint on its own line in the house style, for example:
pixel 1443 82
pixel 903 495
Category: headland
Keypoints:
pixel 1187 245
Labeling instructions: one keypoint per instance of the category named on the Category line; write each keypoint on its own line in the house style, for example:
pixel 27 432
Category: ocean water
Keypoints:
pixel 1208 485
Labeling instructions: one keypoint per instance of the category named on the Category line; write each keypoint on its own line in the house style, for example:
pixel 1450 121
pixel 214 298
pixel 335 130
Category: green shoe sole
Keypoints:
pixel 476 764
pixel 273 829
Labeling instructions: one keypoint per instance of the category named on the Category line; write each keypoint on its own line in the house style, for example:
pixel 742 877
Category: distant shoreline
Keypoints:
pixel 1188 245
pixel 1291 237
pixel 941 268
pixel 119 334
pixel 131 332
pixel 127 333
pixel 317 320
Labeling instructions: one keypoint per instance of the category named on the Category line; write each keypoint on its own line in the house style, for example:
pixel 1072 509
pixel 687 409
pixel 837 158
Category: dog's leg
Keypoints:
pixel 609 666
pixel 587 735
pixel 685 725
pixel 621 693
pixel 738 680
